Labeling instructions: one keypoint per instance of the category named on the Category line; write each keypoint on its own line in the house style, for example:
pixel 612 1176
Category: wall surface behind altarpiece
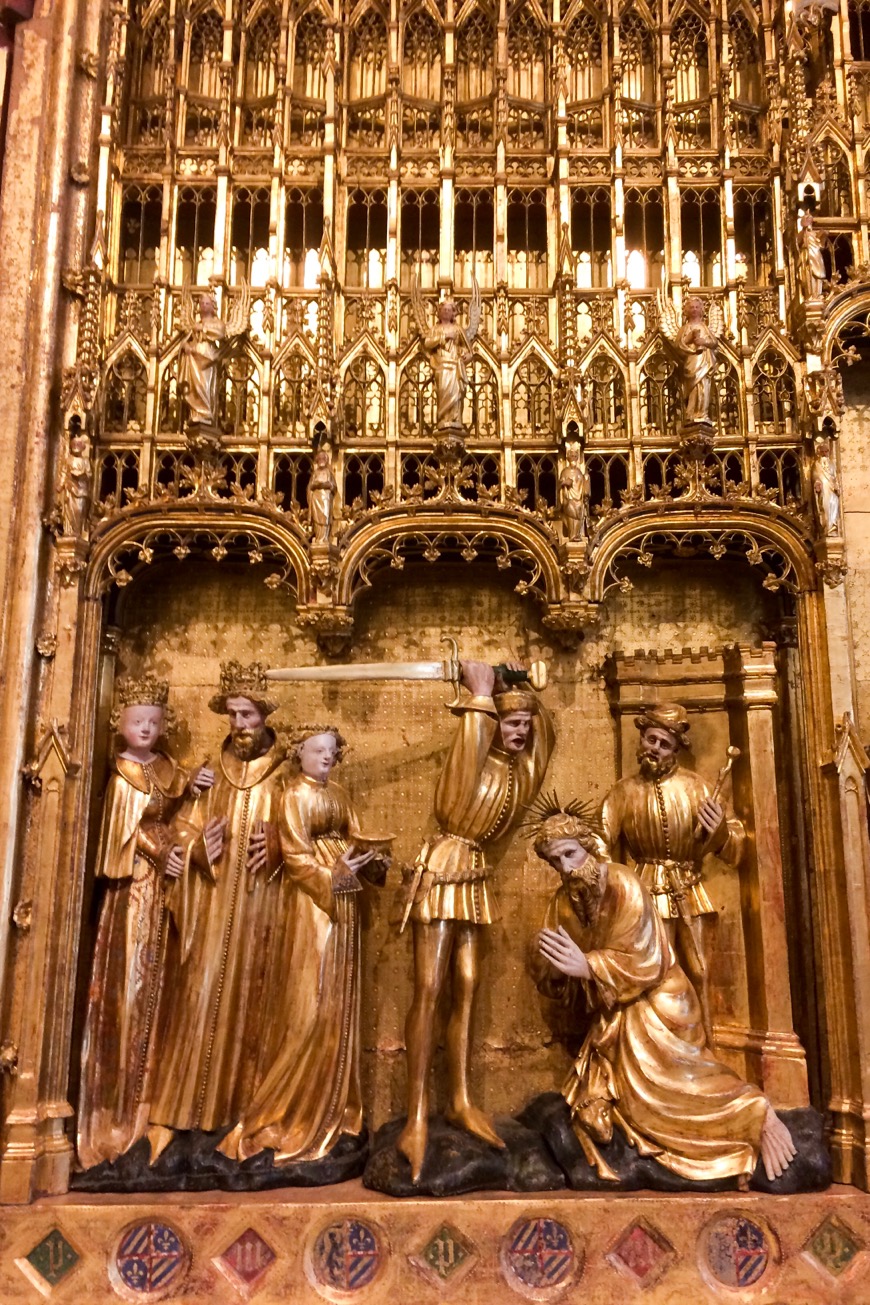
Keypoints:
pixel 181 621
pixel 855 474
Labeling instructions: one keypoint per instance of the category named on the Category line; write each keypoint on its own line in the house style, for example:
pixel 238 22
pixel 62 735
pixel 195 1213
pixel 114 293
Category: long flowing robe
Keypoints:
pixel 696 349
pixel 226 918
pixel 826 492
pixel 449 347
pixel 198 370
pixel 645 1064
pixel 311 1096
pixel 482 794
pixel 125 995
pixel 667 856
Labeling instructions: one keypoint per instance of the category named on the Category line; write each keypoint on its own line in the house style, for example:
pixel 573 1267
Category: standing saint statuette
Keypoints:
pixel 449 346
pixel 136 859
pixel 694 347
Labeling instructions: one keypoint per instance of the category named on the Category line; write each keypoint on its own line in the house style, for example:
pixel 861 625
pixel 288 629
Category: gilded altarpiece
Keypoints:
pixel 225 441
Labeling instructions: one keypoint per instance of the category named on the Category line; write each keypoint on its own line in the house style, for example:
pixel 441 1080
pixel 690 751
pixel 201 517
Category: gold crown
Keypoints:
pixel 238 681
pixel 143 691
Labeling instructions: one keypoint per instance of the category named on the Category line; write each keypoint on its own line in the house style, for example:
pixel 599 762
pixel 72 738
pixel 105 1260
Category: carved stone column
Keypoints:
pixel 777 1056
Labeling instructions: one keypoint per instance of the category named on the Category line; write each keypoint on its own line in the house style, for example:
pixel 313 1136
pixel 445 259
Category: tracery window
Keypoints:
pixel 364 399
pixel 637 46
pixel 748 83
pixel 590 235
pixel 475 57
pixel 701 234
pixel 859 30
pixel 537 480
pixel 149 82
pixel 141 211
pixel 474 236
pixel 753 234
pixel 309 52
pixel 480 407
pixel 585 81
pixel 420 238
pixel 261 56
pixel 690 58
pixel 292 389
pixel 367 238
pixel 259 78
pixel 527 56
pixel 303 232
pixel 527 239
pixel 205 51
pixel 660 406
pixel 250 237
pixel 421 57
pixel 363 476
pixel 126 394
pixel 526 80
pixel 475 81
pixel 773 395
pixel 367 67
pixel 644 236
pixel 836 197
pixel 605 391
pixel 194 235
pixel 418 401
pixel 532 400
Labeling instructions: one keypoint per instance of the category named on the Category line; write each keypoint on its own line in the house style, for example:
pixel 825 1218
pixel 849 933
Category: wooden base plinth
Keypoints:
pixel 347 1244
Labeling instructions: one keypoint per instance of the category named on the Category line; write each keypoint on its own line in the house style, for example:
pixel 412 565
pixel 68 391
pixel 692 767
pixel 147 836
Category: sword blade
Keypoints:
pixel 362 671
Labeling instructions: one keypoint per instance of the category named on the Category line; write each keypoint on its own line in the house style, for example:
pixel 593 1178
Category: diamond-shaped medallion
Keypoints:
pixel 833 1246
pixel 446 1258
pixel 49 1262
pixel 641 1253
pixel 245 1261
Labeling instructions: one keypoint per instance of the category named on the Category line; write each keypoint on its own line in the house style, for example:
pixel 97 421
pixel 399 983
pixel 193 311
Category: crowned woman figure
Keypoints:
pixel 310 1097
pixel 138 853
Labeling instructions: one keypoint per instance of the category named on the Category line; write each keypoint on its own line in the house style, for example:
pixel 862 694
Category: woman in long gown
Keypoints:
pixel 311 1096
pixel 133 859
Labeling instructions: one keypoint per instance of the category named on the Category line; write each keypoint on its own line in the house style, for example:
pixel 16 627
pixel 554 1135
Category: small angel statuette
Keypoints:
pixel 694 347
pixel 450 347
pixel 206 343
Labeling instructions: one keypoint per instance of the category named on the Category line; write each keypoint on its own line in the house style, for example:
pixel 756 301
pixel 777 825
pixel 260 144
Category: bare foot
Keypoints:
pixel 412 1144
pixel 159 1138
pixel 777 1146
pixel 474 1121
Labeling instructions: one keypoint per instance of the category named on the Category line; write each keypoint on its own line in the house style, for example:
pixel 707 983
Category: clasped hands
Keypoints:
pixel 562 952
pixel 211 848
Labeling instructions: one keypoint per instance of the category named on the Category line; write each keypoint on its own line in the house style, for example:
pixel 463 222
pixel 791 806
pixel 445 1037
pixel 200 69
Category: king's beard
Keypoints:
pixel 248 744
pixel 651 768
pixel 585 887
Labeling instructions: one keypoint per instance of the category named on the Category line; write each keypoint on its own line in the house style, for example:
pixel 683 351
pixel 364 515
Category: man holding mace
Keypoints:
pixel 494 769
pixel 667 821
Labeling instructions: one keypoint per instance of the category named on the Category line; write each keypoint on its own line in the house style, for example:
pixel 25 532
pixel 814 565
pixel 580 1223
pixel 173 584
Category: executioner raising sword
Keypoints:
pixel 494 769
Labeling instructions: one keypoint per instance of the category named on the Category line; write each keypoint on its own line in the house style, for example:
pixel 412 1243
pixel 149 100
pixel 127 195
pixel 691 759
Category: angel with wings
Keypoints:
pixel 450 347
pixel 206 342
pixel 694 347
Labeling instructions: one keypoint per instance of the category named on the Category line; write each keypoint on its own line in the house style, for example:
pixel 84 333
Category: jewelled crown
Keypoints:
pixel 143 691
pixel 238 681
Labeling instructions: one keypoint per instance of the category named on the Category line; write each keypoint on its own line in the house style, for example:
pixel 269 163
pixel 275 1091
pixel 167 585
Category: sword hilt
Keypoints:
pixel 536 675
